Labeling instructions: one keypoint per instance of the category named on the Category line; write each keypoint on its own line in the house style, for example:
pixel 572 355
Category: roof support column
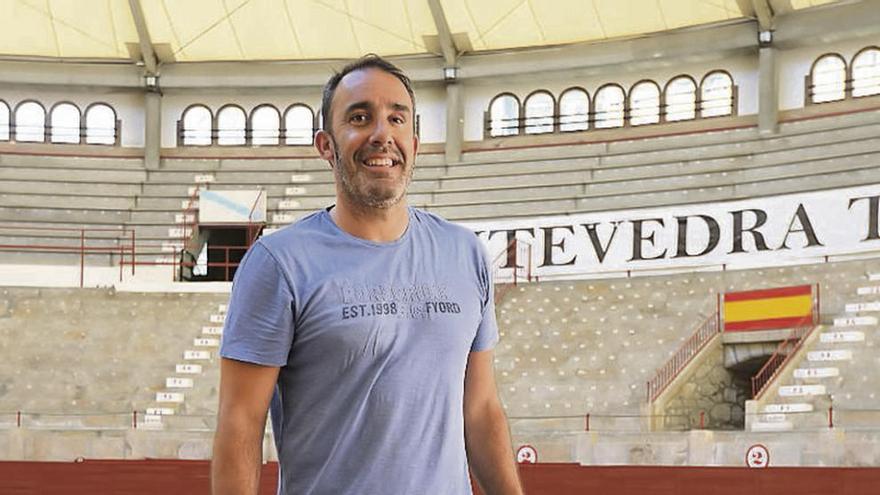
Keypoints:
pixel 454 122
pixel 768 91
pixel 152 128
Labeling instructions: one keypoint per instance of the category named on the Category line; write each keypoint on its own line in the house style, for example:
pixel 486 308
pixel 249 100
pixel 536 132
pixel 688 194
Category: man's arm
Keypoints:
pixel 245 392
pixel 485 428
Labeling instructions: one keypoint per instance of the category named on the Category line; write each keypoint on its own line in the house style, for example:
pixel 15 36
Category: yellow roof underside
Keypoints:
pixel 211 30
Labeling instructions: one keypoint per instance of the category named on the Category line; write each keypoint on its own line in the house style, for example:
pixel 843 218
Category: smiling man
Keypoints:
pixel 368 326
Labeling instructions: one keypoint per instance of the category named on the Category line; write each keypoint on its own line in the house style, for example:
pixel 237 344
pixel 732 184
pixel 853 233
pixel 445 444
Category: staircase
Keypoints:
pixel 828 372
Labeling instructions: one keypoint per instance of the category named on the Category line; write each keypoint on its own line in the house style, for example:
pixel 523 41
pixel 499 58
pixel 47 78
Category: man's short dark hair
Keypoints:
pixel 369 61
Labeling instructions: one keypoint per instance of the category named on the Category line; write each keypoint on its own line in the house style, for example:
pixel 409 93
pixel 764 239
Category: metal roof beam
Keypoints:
pixel 764 13
pixel 147 53
pixel 447 45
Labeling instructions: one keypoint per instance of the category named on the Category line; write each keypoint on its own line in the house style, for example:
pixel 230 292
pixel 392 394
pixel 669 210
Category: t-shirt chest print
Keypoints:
pixel 413 301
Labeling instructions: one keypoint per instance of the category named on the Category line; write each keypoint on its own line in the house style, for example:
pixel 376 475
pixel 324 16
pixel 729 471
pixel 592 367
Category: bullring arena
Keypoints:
pixel 681 201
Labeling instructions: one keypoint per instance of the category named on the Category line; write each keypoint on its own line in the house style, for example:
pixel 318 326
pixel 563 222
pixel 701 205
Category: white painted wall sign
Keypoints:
pixel 769 231
pixel 855 321
pixel 816 372
pixel 188 369
pixel 231 207
pixel 830 355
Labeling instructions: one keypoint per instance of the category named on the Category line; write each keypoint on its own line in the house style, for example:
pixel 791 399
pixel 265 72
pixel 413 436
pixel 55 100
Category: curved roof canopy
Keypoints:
pixel 235 30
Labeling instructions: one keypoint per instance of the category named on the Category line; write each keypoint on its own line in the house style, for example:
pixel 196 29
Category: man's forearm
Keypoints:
pixel 490 453
pixel 237 461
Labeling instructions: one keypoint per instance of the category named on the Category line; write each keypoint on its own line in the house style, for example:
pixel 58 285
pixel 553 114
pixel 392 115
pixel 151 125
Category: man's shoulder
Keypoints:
pixel 291 235
pixel 445 228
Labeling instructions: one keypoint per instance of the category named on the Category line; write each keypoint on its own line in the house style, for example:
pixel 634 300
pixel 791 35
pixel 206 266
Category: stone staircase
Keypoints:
pixel 189 398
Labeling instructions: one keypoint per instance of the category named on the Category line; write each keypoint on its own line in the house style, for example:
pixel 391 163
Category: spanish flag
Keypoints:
pixel 767 309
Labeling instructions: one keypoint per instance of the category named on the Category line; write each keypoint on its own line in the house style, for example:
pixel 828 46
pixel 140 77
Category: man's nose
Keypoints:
pixel 381 133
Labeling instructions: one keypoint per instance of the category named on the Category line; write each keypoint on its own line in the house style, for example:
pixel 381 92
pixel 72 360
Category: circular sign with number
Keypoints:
pixel 526 455
pixel 758 456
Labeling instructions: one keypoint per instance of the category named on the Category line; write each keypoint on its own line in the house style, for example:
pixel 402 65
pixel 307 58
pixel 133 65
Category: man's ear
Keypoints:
pixel 324 145
pixel 415 145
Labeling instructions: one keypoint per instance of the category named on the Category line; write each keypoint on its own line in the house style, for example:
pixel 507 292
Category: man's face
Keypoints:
pixel 372 146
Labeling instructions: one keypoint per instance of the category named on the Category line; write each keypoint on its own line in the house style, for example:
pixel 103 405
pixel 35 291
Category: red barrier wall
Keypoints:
pixel 170 477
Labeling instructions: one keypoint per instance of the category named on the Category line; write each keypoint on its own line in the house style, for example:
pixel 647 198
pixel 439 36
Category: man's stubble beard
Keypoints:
pixel 368 196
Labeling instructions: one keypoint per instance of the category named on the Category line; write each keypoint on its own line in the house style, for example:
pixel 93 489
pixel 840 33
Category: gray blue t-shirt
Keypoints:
pixel 372 340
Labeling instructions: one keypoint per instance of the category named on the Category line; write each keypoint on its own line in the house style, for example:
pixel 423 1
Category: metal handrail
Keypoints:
pixel 82 249
pixel 664 375
pixel 780 357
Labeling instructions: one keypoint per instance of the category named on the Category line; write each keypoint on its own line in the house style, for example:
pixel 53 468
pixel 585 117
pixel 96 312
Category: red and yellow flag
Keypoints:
pixel 767 309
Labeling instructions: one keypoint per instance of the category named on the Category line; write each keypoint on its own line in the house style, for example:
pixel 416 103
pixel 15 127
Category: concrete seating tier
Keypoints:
pixel 70 162
pixel 569 348
pixel 59 174
pixel 92 351
pixel 46 187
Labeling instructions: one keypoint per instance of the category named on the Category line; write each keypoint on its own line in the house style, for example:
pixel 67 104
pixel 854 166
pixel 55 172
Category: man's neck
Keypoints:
pixel 372 224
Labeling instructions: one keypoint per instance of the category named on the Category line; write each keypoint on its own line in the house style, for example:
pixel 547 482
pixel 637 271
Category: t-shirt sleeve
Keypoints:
pixel 260 319
pixel 487 331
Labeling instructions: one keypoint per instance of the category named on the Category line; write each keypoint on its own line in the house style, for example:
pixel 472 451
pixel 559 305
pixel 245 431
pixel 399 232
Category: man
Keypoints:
pixel 373 324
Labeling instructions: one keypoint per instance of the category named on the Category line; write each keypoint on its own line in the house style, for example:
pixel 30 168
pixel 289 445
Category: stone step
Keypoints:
pixel 205 342
pixel 283 218
pixel 204 178
pixel 169 397
pixel 294 191
pixel 816 372
pixel 864 291
pixel 151 422
pixel 801 390
pixel 160 411
pixel 300 178
pixel 772 426
pixel 855 321
pixel 772 418
pixel 196 355
pixel 794 407
pixel 862 307
pixel 175 382
pixel 221 308
pixel 212 330
pixel 188 369
pixel 830 355
pixel 836 337
pixel 873 277
pixel 216 318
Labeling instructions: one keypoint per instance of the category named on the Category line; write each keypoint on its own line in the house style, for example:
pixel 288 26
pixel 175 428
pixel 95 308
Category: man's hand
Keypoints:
pixel 485 427
pixel 245 392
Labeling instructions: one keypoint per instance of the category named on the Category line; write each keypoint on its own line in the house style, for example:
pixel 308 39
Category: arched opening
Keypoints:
pixel 197 121
pixel 100 124
pixel 574 110
pixel 610 106
pixel 64 122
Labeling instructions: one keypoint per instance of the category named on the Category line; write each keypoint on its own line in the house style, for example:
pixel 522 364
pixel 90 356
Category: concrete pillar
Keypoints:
pixel 454 122
pixel 768 91
pixel 152 129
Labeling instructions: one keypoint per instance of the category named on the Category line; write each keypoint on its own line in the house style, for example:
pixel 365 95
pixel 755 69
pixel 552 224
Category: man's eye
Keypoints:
pixel 357 118
pixel 398 120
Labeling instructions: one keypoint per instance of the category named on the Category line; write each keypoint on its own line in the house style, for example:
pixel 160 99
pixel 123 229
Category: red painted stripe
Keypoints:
pixel 768 324
pixel 797 290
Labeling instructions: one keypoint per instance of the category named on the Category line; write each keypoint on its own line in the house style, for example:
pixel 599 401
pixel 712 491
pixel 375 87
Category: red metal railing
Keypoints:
pixel 125 238
pixel 683 356
pixel 783 353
